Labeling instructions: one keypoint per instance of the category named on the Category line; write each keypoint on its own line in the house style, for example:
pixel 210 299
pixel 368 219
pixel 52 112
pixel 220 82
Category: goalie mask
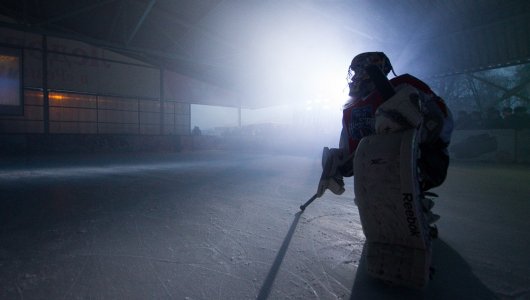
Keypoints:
pixel 358 80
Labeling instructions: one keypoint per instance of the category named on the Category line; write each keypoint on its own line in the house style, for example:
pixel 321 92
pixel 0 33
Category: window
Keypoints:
pixel 11 101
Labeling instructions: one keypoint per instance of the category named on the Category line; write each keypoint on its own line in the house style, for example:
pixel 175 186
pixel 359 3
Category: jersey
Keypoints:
pixel 358 118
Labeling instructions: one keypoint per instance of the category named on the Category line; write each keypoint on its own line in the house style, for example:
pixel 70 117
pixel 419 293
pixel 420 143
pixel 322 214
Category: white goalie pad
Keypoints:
pixel 398 243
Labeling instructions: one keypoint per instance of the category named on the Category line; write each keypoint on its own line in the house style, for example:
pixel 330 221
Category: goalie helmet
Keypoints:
pixel 359 82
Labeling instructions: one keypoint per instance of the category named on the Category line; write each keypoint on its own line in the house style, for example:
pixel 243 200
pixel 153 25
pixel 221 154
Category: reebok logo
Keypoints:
pixel 409 213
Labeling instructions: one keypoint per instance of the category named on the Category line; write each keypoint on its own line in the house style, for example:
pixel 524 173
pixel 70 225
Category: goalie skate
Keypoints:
pixel 394 219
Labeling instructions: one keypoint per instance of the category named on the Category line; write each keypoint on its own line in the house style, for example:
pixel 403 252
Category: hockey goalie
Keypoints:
pixel 394 143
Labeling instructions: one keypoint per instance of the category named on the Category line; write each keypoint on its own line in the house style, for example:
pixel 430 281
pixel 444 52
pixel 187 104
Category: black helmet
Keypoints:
pixel 361 61
pixel 359 82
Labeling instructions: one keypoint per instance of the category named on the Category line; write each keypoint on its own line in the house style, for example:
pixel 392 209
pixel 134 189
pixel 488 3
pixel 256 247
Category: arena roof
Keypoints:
pixel 241 44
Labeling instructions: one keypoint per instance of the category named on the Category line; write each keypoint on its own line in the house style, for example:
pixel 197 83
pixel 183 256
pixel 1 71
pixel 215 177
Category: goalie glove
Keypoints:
pixel 331 179
pixel 400 112
pixel 335 184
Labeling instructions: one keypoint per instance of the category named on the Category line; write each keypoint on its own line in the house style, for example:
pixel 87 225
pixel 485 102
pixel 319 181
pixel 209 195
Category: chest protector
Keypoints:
pixel 359 115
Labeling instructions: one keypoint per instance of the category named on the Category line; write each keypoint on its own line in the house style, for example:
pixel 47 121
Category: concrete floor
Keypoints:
pixel 225 225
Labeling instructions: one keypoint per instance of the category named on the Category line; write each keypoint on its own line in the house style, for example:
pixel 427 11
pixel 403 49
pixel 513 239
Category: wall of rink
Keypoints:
pixel 493 145
pixel 71 89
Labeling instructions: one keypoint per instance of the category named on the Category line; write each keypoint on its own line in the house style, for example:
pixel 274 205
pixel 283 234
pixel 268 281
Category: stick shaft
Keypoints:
pixel 303 206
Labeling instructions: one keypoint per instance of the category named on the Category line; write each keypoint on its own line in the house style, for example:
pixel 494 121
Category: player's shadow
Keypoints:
pixel 453 279
pixel 273 271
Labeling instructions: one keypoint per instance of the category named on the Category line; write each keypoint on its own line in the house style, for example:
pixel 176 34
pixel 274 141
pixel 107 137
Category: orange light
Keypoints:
pixel 8 58
pixel 56 96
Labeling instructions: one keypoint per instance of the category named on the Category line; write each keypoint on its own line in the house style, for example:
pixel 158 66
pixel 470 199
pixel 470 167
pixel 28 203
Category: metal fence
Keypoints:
pixel 80 113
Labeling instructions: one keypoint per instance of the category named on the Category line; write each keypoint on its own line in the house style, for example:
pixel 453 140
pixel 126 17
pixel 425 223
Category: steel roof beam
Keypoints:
pixel 141 20
pixel 75 12
pixel 507 92
pixel 100 43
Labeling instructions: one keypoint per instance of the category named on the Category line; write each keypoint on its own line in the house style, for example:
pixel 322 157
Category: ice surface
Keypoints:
pixel 219 225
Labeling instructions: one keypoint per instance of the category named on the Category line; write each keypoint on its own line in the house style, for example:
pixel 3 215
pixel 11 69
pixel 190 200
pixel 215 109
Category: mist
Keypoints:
pixel 163 149
pixel 290 65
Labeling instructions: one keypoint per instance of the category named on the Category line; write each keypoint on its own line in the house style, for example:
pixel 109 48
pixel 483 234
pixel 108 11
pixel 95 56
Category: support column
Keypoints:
pixel 162 101
pixel 45 94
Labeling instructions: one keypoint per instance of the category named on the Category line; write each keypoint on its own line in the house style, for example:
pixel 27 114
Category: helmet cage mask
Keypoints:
pixel 359 81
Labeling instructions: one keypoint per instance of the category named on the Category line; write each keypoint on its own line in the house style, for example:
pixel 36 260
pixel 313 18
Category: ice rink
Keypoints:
pixel 226 225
